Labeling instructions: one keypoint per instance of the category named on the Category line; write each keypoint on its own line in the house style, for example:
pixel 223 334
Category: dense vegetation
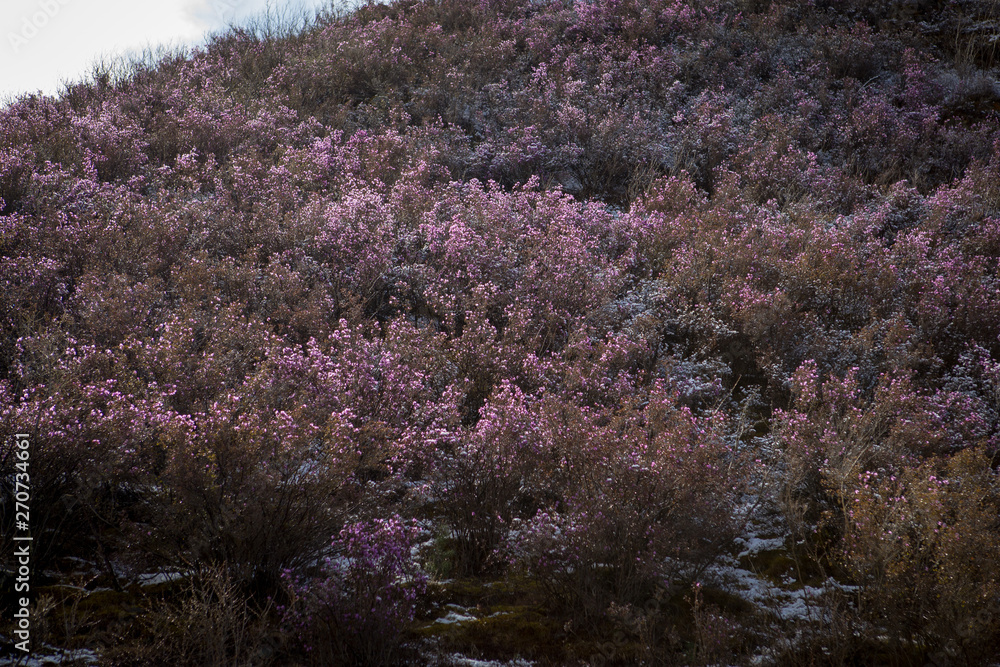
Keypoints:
pixel 515 329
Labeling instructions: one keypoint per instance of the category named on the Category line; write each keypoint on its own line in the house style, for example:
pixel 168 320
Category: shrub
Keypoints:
pixel 648 498
pixel 483 477
pixel 354 609
pixel 504 252
pixel 215 623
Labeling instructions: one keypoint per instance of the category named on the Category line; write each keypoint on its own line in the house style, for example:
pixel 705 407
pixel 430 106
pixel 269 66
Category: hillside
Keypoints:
pixel 511 332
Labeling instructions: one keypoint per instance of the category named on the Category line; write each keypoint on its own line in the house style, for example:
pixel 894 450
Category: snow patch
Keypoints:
pixel 458 660
pixel 754 545
pixel 153 578
pixel 83 656
pixel 455 615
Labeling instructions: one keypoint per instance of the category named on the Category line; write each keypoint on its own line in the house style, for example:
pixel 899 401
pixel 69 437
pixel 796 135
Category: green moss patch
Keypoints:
pixel 499 619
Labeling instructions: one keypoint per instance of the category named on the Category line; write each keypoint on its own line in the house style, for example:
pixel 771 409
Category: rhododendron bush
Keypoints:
pixel 445 304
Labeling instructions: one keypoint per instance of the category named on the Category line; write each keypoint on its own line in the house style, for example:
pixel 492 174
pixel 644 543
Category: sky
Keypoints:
pixel 44 43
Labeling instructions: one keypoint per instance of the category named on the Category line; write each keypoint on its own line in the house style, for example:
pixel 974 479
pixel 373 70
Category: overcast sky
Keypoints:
pixel 46 42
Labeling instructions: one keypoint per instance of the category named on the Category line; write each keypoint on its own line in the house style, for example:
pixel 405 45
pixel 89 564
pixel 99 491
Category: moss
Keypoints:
pixel 504 631
pixel 522 630
pixel 516 617
pixel 439 558
pixel 508 618
pixel 79 617
pixel 97 606
pixel 478 592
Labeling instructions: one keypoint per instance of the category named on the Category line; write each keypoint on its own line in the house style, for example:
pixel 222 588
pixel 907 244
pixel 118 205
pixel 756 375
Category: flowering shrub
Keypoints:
pixel 355 608
pixel 884 476
pixel 549 275
pixel 646 493
pixel 484 476
pixel 937 533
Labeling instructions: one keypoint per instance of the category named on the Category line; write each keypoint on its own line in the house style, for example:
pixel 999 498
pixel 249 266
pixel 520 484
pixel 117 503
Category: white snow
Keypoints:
pixel 753 544
pixel 455 615
pixel 57 657
pixel 153 578
pixel 458 660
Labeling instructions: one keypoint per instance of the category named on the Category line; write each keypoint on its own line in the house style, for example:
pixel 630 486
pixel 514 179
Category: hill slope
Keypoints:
pixel 624 331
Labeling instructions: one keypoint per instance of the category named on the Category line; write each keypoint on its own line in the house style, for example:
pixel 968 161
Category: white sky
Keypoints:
pixel 46 42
